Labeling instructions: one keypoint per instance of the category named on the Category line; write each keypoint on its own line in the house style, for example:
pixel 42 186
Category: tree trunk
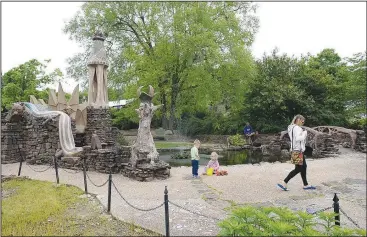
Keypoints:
pixel 174 93
pixel 164 111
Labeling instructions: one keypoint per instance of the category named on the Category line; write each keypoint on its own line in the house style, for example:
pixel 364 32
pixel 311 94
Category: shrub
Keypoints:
pixel 358 123
pixel 280 221
pixel 237 140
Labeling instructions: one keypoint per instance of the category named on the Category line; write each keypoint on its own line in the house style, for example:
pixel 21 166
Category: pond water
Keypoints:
pixel 225 158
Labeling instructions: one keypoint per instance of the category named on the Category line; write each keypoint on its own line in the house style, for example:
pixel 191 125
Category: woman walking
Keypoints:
pixel 298 142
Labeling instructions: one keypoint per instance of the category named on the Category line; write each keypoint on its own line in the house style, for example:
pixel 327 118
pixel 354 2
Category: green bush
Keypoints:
pixel 123 119
pixel 209 123
pixel 237 140
pixel 280 221
pixel 360 123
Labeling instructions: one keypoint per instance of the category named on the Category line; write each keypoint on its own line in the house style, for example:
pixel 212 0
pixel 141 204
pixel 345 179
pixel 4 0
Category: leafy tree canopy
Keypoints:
pixel 27 79
pixel 195 54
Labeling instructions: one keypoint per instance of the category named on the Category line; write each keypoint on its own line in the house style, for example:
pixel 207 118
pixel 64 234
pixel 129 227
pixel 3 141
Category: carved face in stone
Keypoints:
pixel 16 112
pixel 18 108
pixel 144 110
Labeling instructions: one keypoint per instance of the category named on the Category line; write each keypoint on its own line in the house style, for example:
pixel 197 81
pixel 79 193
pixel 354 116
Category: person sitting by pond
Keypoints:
pixel 249 133
pixel 195 158
pixel 213 163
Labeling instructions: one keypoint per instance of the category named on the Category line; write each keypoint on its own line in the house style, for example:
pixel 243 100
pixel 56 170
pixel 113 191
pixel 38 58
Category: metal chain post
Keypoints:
pixel 166 212
pixel 20 165
pixel 57 172
pixel 336 209
pixel 85 176
pixel 109 192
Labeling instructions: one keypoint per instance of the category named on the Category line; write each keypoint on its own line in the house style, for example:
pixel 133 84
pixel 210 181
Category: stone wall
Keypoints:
pixel 102 160
pixel 221 139
pixel 361 141
pixel 323 146
pixel 261 139
pixel 147 172
pixel 12 141
pixel 35 139
pixel 99 122
pixel 343 139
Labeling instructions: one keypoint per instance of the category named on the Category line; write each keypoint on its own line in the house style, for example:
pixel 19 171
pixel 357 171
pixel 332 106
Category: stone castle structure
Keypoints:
pixel 75 133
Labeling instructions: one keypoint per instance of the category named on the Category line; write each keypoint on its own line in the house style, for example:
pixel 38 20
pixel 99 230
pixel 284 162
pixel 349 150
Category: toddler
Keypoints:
pixel 213 163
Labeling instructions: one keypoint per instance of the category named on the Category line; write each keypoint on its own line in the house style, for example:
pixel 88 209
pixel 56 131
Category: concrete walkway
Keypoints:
pixel 245 184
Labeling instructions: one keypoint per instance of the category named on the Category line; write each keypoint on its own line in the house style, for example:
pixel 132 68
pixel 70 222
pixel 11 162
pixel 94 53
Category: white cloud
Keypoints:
pixel 34 30
pixel 301 27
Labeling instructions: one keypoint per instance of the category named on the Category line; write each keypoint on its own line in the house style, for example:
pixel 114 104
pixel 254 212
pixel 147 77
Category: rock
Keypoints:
pixel 168 133
pixel 183 155
pixel 70 160
pixel 346 145
pixel 96 143
pixel 285 153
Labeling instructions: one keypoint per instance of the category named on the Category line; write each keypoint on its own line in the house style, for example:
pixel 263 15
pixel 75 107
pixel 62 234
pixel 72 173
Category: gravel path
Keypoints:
pixel 245 184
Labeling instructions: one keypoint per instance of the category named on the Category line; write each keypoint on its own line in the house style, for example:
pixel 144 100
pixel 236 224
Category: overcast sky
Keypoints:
pixel 34 30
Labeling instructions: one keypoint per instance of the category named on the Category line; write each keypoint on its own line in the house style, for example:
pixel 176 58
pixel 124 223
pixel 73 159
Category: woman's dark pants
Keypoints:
pixel 299 169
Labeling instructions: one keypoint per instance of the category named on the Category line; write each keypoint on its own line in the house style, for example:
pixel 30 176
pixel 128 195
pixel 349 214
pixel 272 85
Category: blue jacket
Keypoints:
pixel 248 130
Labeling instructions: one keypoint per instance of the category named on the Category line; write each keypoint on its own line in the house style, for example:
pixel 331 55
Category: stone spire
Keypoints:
pixel 97 73
pixel 99 55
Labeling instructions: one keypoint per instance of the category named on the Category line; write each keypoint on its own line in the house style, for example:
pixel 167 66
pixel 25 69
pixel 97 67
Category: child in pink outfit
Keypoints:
pixel 213 163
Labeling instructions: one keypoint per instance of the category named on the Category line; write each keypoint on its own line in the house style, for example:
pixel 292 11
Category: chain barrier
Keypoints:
pixel 322 210
pixel 70 172
pixel 137 208
pixel 174 204
pixel 94 183
pixel 39 171
pixel 355 223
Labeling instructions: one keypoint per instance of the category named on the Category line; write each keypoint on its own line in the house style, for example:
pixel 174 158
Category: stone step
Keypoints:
pixel 69 159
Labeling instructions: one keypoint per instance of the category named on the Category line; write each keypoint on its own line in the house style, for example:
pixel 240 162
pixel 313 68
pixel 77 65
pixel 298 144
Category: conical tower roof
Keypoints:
pixel 99 55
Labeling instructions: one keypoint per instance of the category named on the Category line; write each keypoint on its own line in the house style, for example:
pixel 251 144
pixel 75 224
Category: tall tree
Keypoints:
pixel 195 53
pixel 356 88
pixel 323 81
pixel 312 85
pixel 29 78
pixel 273 98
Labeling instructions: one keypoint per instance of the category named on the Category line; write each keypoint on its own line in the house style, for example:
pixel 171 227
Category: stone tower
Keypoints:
pixel 97 73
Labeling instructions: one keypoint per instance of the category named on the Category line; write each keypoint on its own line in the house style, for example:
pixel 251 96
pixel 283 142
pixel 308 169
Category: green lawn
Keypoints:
pixel 163 144
pixel 38 208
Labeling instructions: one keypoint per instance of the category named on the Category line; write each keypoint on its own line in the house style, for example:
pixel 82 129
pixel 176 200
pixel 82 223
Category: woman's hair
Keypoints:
pixel 214 156
pixel 298 116
pixel 196 141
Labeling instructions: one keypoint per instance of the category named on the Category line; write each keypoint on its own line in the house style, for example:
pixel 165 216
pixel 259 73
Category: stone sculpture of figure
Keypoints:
pixel 97 73
pixel 144 151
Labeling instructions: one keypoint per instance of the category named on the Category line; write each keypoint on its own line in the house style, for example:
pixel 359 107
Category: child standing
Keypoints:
pixel 195 158
pixel 213 163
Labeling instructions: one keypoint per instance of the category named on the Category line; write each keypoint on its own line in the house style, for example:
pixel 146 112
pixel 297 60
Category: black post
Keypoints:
pixel 85 175
pixel 336 209
pixel 57 172
pixel 166 210
pixel 20 165
pixel 109 192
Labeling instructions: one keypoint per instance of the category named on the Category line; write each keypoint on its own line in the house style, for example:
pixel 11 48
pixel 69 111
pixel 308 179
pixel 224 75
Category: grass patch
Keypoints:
pixel 214 189
pixel 165 145
pixel 38 208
